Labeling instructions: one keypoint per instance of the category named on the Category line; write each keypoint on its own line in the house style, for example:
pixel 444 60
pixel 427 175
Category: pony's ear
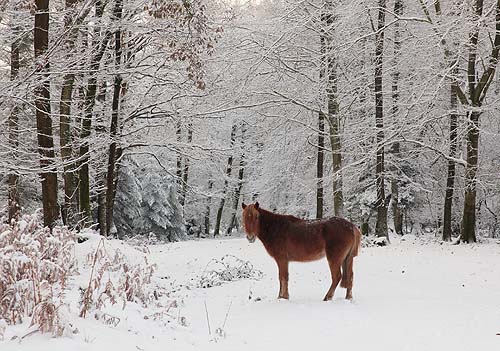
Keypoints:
pixel 243 206
pixel 256 205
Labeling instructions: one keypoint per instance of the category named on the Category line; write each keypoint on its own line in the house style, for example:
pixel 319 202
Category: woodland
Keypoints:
pixel 132 133
pixel 139 117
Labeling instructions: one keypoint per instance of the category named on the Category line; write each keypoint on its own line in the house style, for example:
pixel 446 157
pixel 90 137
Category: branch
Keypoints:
pixel 460 94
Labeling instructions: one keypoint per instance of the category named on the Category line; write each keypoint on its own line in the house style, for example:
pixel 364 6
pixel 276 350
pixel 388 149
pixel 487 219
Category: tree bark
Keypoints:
pixel 70 206
pixel 477 89
pixel 396 211
pixel 43 115
pixel 319 165
pixel 185 172
pixel 207 210
pixel 333 117
pixel 100 174
pixel 468 231
pixel 229 168
pixel 233 223
pixel 89 103
pixel 334 124
pixel 450 178
pixel 381 225
pixel 13 194
pixel 113 130
pixel 178 133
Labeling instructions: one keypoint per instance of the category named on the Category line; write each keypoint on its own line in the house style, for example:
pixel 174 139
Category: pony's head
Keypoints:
pixel 251 220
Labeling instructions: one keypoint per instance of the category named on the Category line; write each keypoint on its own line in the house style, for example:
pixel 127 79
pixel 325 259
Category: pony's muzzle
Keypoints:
pixel 251 239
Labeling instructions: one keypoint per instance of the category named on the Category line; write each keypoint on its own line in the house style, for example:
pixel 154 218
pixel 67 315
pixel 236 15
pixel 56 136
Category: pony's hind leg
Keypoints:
pixel 283 277
pixel 336 275
pixel 347 275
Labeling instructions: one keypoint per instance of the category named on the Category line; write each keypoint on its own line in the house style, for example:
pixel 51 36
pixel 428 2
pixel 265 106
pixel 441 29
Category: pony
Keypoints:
pixel 287 238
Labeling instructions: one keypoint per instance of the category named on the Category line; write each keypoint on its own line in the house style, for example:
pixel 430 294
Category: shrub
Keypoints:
pixel 35 264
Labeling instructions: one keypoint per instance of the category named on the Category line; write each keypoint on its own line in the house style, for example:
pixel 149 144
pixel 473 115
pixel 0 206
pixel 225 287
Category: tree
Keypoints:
pixel 396 211
pixel 70 206
pixel 381 225
pixel 100 44
pixel 113 130
pixel 185 172
pixel 237 191
pixel 43 115
pixel 477 91
pixel 319 165
pixel 330 64
pixel 229 168
pixel 13 194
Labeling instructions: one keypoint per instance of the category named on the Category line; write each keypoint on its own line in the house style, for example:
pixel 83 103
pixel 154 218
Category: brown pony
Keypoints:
pixel 288 238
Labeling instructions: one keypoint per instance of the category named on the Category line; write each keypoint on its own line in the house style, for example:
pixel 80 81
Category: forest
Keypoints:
pixel 153 121
pixel 384 113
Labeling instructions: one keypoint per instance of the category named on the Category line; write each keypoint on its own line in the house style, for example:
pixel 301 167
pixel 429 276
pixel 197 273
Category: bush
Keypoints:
pixel 229 268
pixel 35 264
pixel 125 282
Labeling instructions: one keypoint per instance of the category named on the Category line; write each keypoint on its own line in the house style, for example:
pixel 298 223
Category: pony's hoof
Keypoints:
pixel 282 297
pixel 327 298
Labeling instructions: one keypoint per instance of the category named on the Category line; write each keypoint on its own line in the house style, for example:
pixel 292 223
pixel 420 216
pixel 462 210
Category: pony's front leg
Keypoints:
pixel 283 277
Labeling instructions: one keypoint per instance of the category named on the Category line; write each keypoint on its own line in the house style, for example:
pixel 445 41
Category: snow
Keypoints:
pixel 408 295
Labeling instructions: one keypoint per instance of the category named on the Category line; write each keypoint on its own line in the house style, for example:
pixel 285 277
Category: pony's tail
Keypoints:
pixel 357 241
pixel 347 269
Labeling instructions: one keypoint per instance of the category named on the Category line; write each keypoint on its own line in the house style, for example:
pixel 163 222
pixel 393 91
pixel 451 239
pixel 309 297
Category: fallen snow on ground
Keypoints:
pixel 407 296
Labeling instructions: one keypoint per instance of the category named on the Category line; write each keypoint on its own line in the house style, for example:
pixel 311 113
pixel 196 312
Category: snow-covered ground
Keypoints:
pixel 407 296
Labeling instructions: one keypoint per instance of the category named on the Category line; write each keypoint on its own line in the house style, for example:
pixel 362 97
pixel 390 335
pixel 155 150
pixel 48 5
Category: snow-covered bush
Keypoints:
pixel 113 279
pixel 229 268
pixel 35 264
pixel 146 202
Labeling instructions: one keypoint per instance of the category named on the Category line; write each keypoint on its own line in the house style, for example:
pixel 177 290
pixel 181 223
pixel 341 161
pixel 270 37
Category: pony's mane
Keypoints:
pixel 269 220
pixel 270 214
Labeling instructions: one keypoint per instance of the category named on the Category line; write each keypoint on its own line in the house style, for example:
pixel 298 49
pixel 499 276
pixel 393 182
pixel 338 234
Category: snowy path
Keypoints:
pixel 406 297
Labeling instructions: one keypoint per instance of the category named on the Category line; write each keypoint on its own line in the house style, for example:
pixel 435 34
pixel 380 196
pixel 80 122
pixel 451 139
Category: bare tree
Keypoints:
pixel 99 44
pixel 319 165
pixel 237 191
pixel 70 206
pixel 333 119
pixel 113 130
pixel 229 168
pixel 396 211
pixel 13 194
pixel 43 115
pixel 477 91
pixel 185 172
pixel 381 225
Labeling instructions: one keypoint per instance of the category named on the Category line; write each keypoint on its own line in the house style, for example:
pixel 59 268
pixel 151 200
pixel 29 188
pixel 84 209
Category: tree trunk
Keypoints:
pixel 70 206
pixel 468 231
pixel 319 165
pixel 186 166
pixel 334 124
pixel 228 174
pixel 381 225
pixel 110 174
pixel 13 195
pixel 237 192
pixel 328 64
pixel 396 211
pixel 450 179
pixel 207 211
pixel 43 117
pixel 87 120
pixel 478 89
pixel 178 133
pixel 100 174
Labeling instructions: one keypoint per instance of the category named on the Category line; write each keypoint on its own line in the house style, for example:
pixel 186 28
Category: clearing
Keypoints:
pixel 411 295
